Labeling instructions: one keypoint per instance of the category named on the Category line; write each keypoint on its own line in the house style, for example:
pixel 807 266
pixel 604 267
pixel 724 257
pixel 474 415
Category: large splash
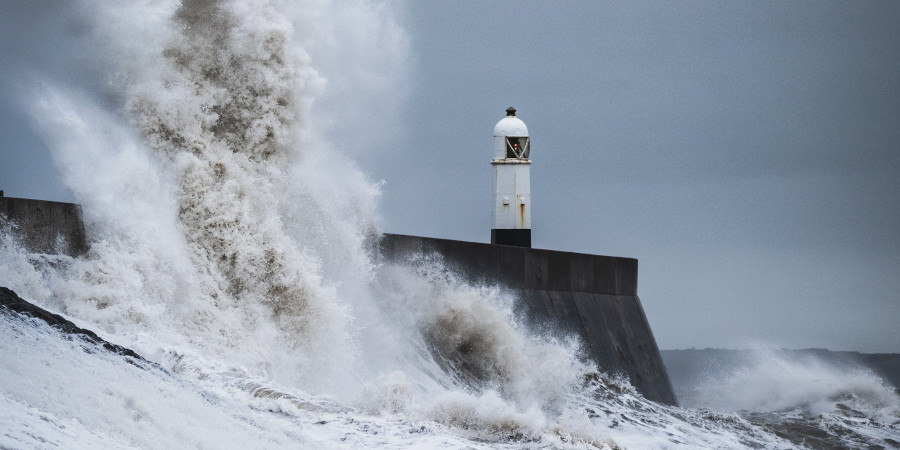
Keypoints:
pixel 226 233
pixel 232 245
pixel 195 184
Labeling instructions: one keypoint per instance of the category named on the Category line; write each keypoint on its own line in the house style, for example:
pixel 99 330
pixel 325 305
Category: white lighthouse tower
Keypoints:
pixel 511 216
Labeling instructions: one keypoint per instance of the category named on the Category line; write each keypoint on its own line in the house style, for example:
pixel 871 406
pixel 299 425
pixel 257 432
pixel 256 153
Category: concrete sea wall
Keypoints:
pixel 44 227
pixel 593 297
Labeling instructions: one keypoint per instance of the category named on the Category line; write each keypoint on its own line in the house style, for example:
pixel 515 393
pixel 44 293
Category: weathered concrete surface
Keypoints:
pixel 593 297
pixel 44 227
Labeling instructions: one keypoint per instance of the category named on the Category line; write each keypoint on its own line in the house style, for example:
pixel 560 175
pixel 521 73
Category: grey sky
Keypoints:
pixel 747 153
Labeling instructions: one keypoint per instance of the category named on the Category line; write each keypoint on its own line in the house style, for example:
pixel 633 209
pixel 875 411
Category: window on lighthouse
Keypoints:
pixel 517 147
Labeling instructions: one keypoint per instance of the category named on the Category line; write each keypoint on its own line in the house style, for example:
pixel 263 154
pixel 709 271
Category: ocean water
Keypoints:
pixel 233 247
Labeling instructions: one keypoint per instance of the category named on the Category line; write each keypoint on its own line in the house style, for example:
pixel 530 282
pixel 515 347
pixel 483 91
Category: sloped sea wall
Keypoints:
pixel 593 297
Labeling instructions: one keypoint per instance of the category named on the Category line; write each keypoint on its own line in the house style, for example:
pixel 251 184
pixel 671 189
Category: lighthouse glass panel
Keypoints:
pixel 517 147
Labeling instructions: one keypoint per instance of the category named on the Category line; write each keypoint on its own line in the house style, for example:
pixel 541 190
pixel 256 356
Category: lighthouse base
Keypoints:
pixel 513 237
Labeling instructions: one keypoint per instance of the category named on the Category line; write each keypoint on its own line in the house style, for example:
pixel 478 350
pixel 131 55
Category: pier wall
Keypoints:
pixel 593 297
pixel 44 227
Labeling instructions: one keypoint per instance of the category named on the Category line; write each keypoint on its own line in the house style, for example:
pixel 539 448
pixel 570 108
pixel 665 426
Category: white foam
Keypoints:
pixel 771 380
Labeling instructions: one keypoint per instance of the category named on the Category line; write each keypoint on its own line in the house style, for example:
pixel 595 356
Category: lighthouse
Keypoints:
pixel 511 215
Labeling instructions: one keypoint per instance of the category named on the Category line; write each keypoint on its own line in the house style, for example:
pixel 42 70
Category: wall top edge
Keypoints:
pixel 488 245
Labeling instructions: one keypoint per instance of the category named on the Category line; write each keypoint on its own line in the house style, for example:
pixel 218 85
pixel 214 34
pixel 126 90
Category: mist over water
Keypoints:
pixel 767 380
pixel 233 246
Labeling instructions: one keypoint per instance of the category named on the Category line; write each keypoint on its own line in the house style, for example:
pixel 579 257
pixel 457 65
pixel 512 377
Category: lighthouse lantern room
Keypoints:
pixel 511 216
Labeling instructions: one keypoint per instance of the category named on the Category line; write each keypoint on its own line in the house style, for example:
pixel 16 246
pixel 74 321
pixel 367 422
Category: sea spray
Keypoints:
pixel 765 379
pixel 186 213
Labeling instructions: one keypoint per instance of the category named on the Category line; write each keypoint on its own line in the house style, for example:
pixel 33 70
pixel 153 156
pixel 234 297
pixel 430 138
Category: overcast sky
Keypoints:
pixel 747 153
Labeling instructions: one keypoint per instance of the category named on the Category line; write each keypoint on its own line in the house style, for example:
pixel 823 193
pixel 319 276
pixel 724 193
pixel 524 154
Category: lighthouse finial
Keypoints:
pixel 511 112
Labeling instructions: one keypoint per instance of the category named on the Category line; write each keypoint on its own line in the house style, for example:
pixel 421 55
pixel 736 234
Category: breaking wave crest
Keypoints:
pixel 201 188
pixel 766 380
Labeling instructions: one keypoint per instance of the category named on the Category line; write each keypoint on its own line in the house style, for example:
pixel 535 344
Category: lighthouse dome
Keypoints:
pixel 511 138
pixel 511 126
